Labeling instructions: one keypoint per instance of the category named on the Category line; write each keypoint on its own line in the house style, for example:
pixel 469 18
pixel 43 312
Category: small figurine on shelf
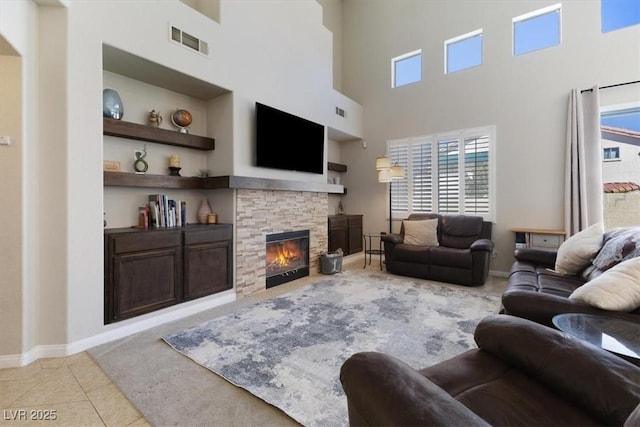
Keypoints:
pixel 174 165
pixel 140 165
pixel 155 119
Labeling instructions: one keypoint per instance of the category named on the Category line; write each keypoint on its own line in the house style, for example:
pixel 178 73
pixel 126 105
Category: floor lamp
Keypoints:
pixel 387 173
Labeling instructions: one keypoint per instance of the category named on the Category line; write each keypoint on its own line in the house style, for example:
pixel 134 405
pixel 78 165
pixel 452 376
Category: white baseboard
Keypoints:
pixel 130 327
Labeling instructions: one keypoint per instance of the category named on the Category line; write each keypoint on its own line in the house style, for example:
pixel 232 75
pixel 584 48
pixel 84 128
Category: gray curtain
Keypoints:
pixel 583 162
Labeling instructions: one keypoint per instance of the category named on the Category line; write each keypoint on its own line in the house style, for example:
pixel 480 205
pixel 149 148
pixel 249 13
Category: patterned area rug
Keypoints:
pixel 288 350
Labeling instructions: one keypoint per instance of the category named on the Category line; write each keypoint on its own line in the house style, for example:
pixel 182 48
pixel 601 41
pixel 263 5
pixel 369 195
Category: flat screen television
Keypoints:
pixel 288 142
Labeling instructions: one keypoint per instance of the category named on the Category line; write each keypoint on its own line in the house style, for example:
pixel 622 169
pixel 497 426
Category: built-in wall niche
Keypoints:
pixel 144 86
pixel 209 8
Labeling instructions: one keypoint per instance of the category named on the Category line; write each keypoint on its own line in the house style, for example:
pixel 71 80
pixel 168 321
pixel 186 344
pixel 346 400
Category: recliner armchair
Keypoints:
pixel 522 374
pixel 462 256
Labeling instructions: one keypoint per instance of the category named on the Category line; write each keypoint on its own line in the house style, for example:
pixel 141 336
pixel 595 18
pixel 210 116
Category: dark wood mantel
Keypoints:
pixel 124 179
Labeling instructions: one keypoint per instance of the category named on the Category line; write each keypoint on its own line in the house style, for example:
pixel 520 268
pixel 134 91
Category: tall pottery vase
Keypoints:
pixel 204 211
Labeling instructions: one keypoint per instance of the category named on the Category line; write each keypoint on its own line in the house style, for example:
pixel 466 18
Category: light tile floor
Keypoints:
pixel 66 391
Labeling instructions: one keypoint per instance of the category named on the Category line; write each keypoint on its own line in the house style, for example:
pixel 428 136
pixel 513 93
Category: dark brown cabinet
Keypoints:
pixel 146 270
pixel 207 260
pixel 345 232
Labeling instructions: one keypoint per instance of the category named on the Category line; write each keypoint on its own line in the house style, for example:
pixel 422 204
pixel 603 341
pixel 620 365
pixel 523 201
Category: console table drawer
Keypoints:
pixel 546 241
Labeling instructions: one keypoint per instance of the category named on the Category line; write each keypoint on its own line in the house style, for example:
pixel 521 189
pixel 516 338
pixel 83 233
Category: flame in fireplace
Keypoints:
pixel 282 254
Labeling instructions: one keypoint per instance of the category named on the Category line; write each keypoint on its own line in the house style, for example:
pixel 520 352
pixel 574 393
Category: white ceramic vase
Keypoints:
pixel 204 211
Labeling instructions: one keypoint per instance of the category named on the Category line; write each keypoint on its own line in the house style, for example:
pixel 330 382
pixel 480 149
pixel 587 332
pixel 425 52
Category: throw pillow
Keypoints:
pixel 575 253
pixel 621 244
pixel 423 232
pixel 616 289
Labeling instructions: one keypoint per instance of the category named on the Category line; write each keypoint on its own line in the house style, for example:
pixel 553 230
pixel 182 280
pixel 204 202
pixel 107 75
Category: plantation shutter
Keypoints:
pixel 448 176
pixel 449 173
pixel 422 176
pixel 399 154
pixel 476 175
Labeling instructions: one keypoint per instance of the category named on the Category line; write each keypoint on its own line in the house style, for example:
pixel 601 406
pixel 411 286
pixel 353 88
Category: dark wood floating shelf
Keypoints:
pixel 126 179
pixel 336 167
pixel 139 132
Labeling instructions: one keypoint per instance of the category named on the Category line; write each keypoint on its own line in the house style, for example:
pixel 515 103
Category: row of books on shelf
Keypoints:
pixel 162 212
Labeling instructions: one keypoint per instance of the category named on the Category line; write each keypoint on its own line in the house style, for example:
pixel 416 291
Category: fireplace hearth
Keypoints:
pixel 287 257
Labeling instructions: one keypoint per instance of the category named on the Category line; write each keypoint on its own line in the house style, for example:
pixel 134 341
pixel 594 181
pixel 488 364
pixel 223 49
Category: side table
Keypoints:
pixel 609 333
pixel 535 238
pixel 368 249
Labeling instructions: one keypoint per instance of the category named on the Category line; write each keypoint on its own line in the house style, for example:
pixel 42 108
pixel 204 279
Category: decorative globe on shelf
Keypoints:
pixel 181 119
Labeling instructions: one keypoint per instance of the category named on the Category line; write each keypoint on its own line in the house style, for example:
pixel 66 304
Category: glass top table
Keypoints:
pixel 615 335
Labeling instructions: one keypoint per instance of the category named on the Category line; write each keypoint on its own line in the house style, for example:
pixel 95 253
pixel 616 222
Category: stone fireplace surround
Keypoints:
pixel 261 212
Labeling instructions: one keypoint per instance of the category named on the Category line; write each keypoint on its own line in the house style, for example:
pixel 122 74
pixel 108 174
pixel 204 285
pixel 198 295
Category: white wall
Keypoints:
pixel 19 188
pixel 524 96
pixel 278 53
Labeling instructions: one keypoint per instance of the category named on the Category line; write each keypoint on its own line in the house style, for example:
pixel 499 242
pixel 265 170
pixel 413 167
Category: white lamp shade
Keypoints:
pixel 384 175
pixel 382 163
pixel 397 172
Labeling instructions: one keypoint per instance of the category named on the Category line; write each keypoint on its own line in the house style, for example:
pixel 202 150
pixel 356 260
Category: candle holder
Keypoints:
pixel 174 171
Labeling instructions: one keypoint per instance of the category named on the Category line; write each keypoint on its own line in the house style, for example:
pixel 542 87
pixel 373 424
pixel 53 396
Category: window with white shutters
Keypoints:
pixel 421 178
pixel 448 177
pixel 445 173
pixel 476 175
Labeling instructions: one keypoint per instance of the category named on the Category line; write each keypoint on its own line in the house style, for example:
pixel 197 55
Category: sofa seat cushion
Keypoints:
pixel 538 278
pixel 411 253
pixel 450 257
pixel 557 284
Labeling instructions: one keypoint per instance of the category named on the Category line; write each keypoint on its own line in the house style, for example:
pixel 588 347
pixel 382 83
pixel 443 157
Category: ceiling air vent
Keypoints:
pixel 340 112
pixel 187 40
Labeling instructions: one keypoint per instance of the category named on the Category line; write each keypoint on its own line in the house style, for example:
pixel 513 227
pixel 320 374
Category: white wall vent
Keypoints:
pixel 187 40
pixel 340 112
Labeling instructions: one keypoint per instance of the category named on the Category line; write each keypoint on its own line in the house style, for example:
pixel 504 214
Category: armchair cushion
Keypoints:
pixel 383 390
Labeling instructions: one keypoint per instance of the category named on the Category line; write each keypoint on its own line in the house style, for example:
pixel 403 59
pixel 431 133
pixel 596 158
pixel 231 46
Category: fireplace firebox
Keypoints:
pixel 287 257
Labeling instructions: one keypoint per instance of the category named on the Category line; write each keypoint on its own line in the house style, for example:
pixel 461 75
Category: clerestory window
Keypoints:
pixel 537 30
pixel 463 52
pixel 616 14
pixel 406 69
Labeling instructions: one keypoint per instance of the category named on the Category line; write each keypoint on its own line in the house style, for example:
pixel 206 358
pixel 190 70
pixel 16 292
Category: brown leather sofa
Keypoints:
pixel 462 256
pixel 522 374
pixel 536 292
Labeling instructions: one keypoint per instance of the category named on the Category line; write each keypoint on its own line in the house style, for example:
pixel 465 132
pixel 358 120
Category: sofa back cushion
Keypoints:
pixel 460 231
